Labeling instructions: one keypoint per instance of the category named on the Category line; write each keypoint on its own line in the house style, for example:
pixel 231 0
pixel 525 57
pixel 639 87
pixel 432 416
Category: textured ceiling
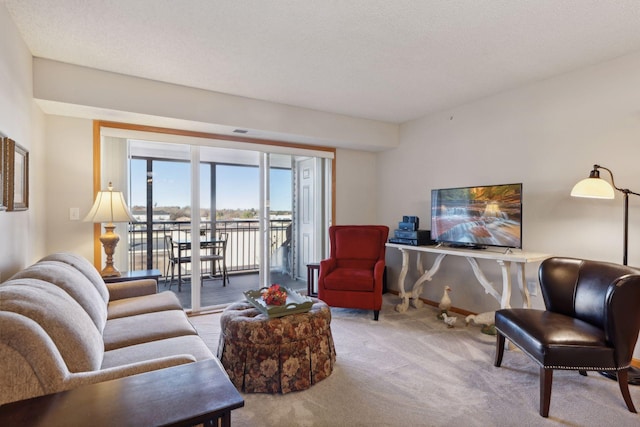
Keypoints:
pixel 379 59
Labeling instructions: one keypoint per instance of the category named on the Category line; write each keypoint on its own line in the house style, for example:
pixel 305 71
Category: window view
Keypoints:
pixel 229 231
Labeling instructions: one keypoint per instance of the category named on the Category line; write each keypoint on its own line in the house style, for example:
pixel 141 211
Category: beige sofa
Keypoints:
pixel 61 327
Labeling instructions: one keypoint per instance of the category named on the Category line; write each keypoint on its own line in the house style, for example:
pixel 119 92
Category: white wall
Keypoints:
pixel 104 95
pixel 356 191
pixel 547 136
pixel 21 232
pixel 69 184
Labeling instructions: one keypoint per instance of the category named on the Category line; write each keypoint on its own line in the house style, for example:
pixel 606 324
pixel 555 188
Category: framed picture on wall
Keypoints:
pixel 16 174
pixel 3 181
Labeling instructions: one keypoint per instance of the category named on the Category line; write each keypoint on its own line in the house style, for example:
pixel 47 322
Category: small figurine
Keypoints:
pixel 487 320
pixel 445 302
pixel 449 320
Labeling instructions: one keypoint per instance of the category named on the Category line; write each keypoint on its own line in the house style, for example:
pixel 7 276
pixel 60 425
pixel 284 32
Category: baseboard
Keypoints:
pixel 634 362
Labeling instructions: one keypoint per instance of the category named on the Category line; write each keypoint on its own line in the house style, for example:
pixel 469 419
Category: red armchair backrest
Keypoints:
pixel 358 246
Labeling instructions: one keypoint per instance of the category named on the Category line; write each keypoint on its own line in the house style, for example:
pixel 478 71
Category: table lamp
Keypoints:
pixel 597 188
pixel 109 208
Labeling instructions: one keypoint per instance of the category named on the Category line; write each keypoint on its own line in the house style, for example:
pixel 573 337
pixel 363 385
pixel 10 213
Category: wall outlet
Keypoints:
pixel 532 287
pixel 74 214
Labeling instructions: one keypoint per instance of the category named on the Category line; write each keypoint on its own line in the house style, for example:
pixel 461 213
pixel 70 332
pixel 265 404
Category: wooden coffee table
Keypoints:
pixel 183 395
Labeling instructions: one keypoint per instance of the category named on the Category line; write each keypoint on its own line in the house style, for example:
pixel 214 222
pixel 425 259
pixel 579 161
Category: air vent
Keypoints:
pixel 240 131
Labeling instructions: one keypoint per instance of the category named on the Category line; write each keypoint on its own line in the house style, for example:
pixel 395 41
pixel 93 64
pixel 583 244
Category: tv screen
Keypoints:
pixel 489 215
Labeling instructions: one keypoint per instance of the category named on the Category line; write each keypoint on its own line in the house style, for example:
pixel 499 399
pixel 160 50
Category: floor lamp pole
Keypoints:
pixel 626 227
pixel 634 373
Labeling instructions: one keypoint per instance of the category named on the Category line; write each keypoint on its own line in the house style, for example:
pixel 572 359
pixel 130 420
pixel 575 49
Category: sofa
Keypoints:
pixel 62 327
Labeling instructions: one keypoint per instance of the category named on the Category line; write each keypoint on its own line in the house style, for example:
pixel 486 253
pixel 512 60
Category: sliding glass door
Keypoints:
pixel 271 209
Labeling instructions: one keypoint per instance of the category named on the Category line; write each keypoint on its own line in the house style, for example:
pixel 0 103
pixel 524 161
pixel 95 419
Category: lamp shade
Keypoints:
pixel 109 207
pixel 596 188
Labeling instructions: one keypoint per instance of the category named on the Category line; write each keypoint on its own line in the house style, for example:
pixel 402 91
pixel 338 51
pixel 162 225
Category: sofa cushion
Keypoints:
pixel 144 304
pixel 83 266
pixel 189 344
pixel 72 282
pixel 67 324
pixel 131 330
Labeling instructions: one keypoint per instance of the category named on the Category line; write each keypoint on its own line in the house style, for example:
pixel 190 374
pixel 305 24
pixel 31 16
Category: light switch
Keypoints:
pixel 74 214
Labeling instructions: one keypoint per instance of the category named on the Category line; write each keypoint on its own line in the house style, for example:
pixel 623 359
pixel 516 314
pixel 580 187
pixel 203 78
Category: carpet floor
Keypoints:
pixel 410 369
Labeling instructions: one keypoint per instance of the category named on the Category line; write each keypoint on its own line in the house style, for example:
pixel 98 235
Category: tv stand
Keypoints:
pixel 469 246
pixel 504 260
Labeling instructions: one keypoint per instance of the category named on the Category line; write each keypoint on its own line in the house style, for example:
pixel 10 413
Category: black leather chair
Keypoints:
pixel 591 322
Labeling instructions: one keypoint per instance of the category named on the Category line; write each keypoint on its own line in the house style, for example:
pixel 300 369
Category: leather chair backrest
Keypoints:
pixel 606 295
pixel 358 246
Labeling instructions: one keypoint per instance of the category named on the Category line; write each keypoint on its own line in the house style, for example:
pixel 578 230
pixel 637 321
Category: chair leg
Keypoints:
pixel 173 270
pixel 166 276
pixel 499 349
pixel 623 383
pixel 376 314
pixel 546 380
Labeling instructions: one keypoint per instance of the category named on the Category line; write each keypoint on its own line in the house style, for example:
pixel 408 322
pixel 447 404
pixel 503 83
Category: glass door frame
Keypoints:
pixel 128 131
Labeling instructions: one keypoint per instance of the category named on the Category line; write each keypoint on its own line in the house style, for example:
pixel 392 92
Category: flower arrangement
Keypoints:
pixel 275 295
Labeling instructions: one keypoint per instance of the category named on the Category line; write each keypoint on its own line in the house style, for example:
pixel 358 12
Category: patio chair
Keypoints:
pixel 217 255
pixel 174 260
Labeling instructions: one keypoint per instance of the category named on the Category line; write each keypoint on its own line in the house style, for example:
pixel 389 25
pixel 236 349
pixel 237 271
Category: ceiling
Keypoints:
pixel 378 59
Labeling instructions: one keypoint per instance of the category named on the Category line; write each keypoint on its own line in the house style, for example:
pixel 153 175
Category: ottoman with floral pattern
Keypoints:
pixel 279 355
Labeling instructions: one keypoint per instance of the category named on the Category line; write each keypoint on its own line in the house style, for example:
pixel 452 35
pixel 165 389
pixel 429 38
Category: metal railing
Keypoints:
pixel 147 244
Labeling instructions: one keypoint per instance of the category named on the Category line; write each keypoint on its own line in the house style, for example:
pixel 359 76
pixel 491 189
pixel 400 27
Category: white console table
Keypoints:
pixel 503 258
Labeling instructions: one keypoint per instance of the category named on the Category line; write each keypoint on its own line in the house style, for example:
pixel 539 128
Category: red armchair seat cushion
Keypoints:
pixel 350 279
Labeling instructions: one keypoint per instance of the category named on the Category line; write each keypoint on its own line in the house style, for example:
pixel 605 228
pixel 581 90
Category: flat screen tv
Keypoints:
pixel 478 217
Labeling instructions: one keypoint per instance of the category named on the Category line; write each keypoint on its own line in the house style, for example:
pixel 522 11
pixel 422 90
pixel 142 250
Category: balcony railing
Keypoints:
pixel 147 244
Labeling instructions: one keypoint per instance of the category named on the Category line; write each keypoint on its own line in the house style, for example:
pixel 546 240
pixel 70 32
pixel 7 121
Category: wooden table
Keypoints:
pixel 313 269
pixel 504 259
pixel 183 395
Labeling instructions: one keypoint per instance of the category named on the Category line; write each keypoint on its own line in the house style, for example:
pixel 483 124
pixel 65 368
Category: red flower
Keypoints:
pixel 274 295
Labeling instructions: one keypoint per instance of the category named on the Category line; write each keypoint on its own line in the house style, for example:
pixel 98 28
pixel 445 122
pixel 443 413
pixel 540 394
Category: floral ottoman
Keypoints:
pixel 278 355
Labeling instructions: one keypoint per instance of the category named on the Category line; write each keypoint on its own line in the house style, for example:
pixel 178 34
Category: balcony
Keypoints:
pixel 147 251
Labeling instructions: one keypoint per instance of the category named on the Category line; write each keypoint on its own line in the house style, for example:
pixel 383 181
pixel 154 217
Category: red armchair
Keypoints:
pixel 352 276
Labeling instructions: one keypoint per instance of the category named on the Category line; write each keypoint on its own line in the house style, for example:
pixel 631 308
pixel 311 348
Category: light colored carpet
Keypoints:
pixel 409 369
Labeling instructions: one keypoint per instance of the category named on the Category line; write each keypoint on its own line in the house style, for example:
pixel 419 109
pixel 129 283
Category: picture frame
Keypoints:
pixel 16 175
pixel 3 167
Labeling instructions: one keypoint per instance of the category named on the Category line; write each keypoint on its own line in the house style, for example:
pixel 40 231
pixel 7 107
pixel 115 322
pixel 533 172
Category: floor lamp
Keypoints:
pixel 597 188
pixel 108 208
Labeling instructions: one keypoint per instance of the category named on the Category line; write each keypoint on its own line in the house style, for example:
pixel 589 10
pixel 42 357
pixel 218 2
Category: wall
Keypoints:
pixel 21 232
pixel 69 162
pixel 356 193
pixel 61 87
pixel 548 136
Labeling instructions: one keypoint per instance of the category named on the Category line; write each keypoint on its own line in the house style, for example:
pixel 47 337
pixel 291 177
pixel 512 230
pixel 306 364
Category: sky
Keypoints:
pixel 238 187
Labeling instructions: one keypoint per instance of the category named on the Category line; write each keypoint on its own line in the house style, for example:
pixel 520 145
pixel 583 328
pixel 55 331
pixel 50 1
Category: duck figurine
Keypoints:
pixel 445 302
pixel 449 320
pixel 487 320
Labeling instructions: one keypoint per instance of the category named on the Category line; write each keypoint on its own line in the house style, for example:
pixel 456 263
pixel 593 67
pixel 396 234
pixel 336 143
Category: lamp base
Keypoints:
pixel 110 271
pixel 109 241
pixel 634 375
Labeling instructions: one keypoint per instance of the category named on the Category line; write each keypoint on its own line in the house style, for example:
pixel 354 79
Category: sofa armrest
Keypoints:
pixel 83 378
pixel 133 288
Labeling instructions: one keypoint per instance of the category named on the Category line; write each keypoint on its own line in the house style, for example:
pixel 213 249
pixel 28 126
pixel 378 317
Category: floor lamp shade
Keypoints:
pixel 596 188
pixel 109 208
